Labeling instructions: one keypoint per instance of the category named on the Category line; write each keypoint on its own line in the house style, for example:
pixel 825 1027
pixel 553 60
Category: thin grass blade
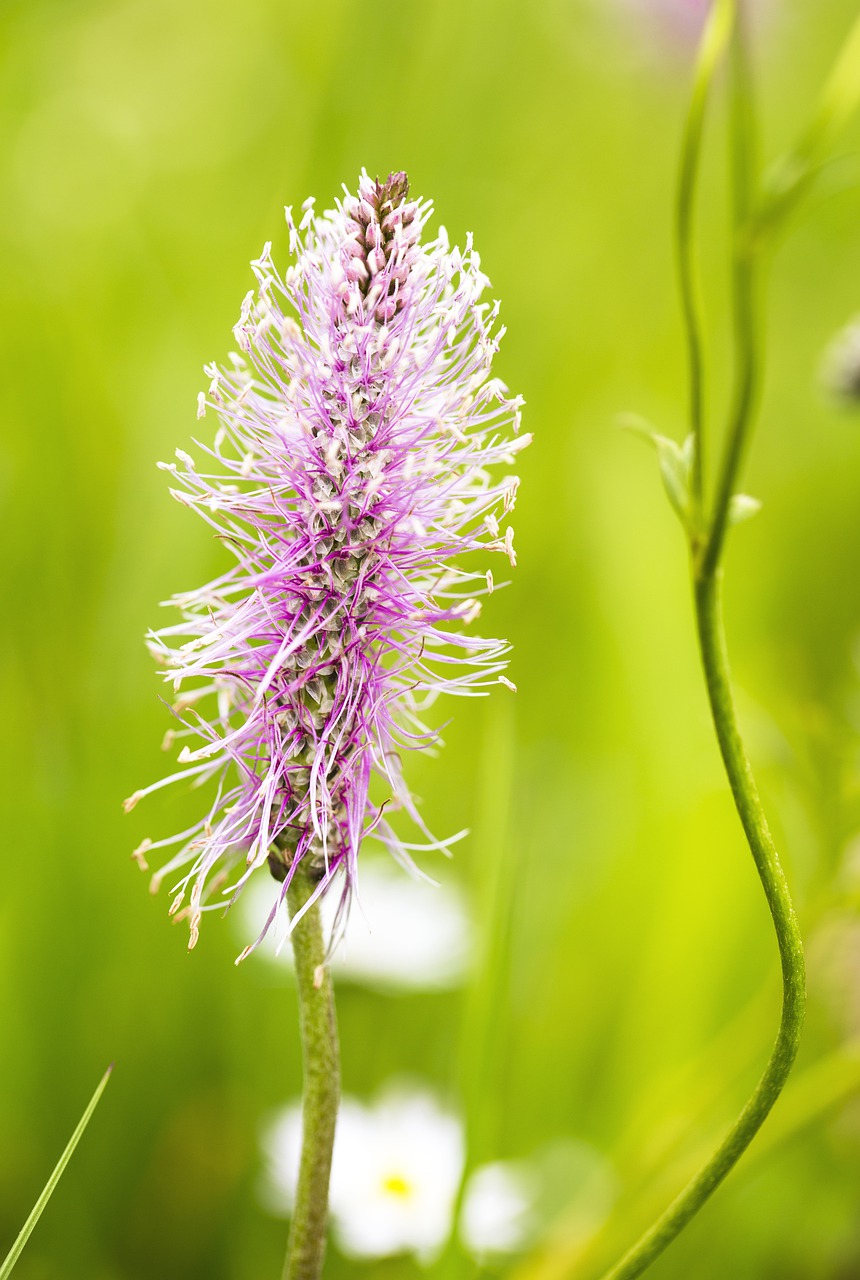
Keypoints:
pixel 38 1208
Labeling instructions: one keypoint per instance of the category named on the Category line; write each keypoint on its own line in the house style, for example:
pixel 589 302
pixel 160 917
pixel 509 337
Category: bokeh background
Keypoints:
pixel 624 988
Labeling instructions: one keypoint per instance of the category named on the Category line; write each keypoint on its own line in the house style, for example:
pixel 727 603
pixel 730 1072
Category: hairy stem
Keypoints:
pixel 321 1068
pixel 748 804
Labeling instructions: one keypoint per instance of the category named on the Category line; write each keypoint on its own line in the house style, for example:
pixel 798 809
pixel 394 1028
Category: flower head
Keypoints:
pixel 351 471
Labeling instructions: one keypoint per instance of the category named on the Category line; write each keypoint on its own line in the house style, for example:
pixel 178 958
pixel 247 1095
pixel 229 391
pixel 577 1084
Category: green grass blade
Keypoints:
pixel 38 1208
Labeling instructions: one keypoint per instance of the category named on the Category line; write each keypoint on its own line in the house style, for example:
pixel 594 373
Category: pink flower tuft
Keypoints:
pixel 350 472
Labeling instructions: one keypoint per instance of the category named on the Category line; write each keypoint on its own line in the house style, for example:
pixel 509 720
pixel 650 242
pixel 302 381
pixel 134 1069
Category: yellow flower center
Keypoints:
pixel 396 1185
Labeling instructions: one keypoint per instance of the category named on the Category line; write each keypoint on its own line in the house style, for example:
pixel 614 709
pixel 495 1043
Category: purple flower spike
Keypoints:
pixel 350 470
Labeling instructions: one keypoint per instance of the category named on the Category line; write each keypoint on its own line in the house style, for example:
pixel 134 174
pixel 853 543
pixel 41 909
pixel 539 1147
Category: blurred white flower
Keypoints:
pixel 403 933
pixel 498 1209
pixel 840 368
pixel 834 968
pixel 282 1148
pixel 395 1173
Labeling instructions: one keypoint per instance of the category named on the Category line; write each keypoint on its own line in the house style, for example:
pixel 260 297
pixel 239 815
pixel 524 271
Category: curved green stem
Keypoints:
pixel 706 552
pixel 321 1067
pixel 748 804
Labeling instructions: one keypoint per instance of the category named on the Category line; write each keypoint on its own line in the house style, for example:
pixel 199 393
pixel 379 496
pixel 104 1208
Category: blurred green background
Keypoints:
pixel 631 994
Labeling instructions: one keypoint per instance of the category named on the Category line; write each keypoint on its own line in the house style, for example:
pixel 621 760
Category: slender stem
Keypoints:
pixel 748 343
pixel 321 1067
pixel 702 1186
pixel 745 396
pixel 710 50
pixel 705 560
pixel 8 1263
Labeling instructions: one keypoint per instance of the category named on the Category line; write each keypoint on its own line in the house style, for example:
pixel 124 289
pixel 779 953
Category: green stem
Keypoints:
pixel 748 804
pixel 710 51
pixel 746 326
pixel 744 399
pixel 321 1068
pixel 705 559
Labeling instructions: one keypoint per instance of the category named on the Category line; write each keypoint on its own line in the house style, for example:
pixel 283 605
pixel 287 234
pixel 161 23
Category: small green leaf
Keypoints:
pixel 675 461
pixel 15 1252
pixel 741 507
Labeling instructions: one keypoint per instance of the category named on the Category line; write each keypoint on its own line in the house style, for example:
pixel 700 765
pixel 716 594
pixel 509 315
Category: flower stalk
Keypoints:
pixel 360 434
pixel 321 1072
pixel 706 536
pixel 717 31
pixel 707 594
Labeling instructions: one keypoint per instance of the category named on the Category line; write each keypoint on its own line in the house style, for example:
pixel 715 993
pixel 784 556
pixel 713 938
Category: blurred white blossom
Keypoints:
pixel 395 1173
pixel 403 933
pixel 498 1209
pixel 834 968
pixel 840 370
